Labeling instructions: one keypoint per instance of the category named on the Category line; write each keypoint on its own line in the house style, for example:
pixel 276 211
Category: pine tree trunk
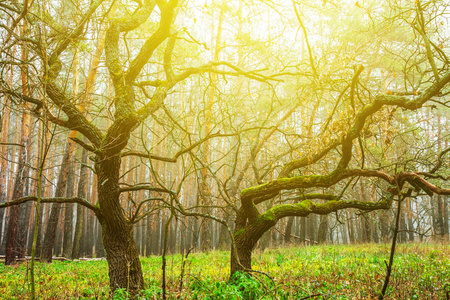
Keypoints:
pixel 50 233
pixel 350 228
pixel 68 214
pixel 12 239
pixel 439 217
pixel 12 242
pixel 365 224
pixel 302 229
pixel 446 218
pixel 323 229
pixel 384 223
pixel 410 220
pixel 99 249
pixel 402 233
pixel 288 231
pixel 82 185
pixel 4 161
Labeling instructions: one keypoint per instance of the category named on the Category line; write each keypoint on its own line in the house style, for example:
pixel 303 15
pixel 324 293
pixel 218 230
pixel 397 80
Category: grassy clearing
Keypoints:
pixel 336 272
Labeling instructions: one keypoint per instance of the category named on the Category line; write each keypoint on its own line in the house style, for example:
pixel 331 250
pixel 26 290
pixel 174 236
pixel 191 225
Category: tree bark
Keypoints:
pixel 121 251
pixel 446 218
pixel 410 220
pixel 323 229
pixel 82 192
pixel 4 162
pixel 384 224
pixel 50 233
pixel 68 214
pixel 12 241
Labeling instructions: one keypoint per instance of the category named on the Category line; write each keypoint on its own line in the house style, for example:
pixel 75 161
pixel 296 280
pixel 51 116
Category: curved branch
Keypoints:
pixel 77 200
pixel 251 233
pixel 76 32
pixel 163 32
pixel 134 219
pixel 117 26
pixel 145 188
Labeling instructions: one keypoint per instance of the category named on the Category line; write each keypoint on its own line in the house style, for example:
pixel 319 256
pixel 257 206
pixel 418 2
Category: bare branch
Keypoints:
pixel 77 200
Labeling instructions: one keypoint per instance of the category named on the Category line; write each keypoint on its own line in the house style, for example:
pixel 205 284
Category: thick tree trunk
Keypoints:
pixel 244 253
pixel 121 251
pixel 246 235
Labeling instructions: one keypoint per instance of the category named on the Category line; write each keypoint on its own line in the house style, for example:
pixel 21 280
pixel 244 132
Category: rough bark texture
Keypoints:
pixel 12 243
pixel 80 210
pixel 68 214
pixel 121 252
pixel 50 232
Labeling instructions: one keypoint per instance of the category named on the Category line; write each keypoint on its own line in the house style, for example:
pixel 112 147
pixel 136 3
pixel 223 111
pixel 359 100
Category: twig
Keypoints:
pixel 394 242
pixel 183 267
pixel 166 231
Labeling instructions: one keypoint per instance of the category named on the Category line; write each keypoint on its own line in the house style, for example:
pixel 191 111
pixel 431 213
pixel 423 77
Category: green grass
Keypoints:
pixel 336 272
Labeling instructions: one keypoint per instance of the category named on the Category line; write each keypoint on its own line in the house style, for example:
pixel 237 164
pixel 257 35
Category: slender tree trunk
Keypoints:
pixel 323 229
pixel 402 233
pixel 99 249
pixel 68 214
pixel 312 225
pixel 82 192
pixel 148 237
pixel 384 224
pixel 410 220
pixel 25 210
pixel 12 242
pixel 365 224
pixel 50 233
pixel 4 161
pixel 302 229
pixel 439 217
pixel 350 228
pixel 446 218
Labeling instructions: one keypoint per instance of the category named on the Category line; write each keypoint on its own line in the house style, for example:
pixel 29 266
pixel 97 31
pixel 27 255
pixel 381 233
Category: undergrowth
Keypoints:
pixel 326 272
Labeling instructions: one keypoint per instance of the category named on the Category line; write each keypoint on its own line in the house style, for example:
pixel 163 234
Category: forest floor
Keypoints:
pixel 421 271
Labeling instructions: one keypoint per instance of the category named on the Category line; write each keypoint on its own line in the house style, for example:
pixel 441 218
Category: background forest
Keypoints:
pixel 153 127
